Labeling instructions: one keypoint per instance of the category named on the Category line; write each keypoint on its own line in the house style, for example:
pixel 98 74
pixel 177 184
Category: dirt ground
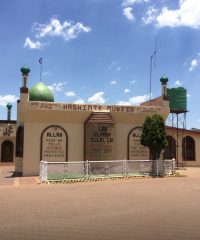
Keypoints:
pixel 153 208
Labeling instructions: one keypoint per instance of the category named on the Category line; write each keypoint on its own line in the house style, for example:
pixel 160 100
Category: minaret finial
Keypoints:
pixel 9 106
pixel 25 70
pixel 164 80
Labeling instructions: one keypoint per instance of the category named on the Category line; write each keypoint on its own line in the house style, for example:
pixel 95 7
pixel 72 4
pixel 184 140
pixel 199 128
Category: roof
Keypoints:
pixel 100 117
pixel 193 130
pixel 8 121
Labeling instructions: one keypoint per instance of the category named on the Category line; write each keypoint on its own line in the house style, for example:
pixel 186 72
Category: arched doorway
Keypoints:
pixel 170 149
pixel 7 151
pixel 188 148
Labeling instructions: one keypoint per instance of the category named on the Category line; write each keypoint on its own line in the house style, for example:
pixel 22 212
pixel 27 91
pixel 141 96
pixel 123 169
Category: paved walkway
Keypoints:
pixel 138 209
pixel 7 178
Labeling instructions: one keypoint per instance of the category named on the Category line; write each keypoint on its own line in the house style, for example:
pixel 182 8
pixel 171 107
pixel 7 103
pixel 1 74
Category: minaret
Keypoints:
pixel 9 106
pixel 164 80
pixel 24 89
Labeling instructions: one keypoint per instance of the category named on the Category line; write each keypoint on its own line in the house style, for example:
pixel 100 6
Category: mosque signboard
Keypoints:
pixel 54 144
pixel 93 107
pixel 136 151
pixel 99 141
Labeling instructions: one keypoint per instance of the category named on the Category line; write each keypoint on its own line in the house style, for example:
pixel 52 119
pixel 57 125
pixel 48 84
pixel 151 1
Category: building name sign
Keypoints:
pixel 54 144
pixel 92 107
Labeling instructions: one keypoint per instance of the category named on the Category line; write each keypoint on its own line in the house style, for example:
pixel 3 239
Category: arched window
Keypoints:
pixel 7 151
pixel 170 149
pixel 188 148
pixel 19 141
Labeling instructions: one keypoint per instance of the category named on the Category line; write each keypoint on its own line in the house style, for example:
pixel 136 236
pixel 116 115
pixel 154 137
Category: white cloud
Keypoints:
pixel 57 87
pixel 131 2
pixel 189 95
pixel 32 45
pixel 132 81
pixel 123 103
pixel 70 94
pixel 79 101
pixel 127 12
pixel 126 90
pixel 194 63
pixel 178 83
pixel 4 100
pixel 113 82
pixel 150 15
pixel 97 98
pixel 134 100
pixel 114 65
pixel 188 14
pixel 47 73
pixel 138 99
pixel 83 88
pixel 54 28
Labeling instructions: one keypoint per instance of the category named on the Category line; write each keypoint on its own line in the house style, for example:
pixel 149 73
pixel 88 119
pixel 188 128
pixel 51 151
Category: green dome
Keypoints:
pixel 40 92
pixel 164 79
pixel 25 69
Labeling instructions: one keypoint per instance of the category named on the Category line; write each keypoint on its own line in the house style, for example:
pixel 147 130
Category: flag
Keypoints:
pixel 40 60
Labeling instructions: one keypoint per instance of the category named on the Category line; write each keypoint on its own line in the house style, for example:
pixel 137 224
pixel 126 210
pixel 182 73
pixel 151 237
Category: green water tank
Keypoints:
pixel 178 99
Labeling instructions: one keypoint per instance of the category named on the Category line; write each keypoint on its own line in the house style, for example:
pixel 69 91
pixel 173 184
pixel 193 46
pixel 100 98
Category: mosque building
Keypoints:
pixel 59 132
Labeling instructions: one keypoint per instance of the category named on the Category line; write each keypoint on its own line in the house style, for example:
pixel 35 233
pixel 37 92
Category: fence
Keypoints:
pixel 104 169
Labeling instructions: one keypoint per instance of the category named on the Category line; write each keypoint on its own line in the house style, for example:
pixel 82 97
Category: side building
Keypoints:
pixel 7 138
pixel 187 146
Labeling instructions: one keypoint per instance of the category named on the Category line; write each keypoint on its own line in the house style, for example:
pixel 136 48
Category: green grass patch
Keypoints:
pixel 58 176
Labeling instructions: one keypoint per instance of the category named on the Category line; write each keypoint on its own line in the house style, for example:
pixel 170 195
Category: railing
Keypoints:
pixel 105 169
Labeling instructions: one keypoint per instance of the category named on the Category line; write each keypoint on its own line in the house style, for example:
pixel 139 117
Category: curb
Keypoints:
pixel 107 179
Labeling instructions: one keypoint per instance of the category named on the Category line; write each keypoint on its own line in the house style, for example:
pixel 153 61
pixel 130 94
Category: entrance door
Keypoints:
pixel 7 151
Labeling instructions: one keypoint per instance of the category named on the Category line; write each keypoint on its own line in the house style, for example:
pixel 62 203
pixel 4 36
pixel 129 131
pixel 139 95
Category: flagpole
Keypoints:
pixel 150 77
pixel 40 61
pixel 151 59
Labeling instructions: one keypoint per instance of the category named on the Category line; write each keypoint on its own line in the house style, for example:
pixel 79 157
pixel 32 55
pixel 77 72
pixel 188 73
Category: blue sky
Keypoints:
pixel 98 51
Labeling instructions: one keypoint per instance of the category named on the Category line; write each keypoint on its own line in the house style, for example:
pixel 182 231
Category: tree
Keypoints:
pixel 154 135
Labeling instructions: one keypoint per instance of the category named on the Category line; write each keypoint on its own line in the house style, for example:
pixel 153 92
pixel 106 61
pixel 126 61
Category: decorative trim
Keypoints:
pixel 8 121
pixel 23 90
pixel 166 98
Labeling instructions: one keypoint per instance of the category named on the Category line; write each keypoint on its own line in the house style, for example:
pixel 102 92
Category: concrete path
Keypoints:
pixel 7 178
pixel 139 209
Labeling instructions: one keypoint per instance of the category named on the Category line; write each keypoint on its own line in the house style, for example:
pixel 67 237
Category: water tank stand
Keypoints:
pixel 177 123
